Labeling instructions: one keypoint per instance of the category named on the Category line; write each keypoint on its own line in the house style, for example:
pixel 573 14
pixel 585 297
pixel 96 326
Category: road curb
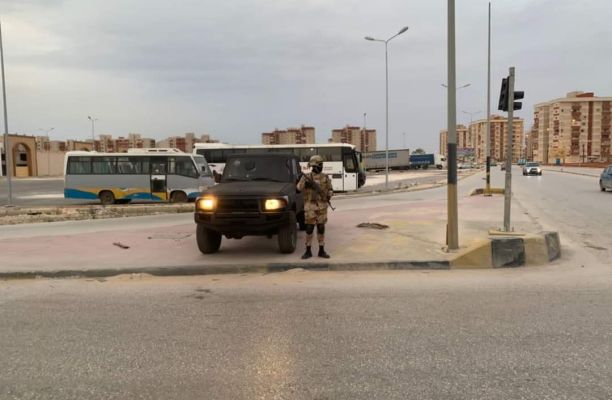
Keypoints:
pixel 570 172
pixel 509 252
pixel 187 270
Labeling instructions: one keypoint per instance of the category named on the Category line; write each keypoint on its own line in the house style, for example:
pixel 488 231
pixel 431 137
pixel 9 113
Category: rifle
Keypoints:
pixel 319 190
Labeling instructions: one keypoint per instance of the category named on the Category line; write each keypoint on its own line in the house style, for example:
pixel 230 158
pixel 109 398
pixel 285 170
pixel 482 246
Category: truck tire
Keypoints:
pixel 287 235
pixel 301 219
pixel 208 240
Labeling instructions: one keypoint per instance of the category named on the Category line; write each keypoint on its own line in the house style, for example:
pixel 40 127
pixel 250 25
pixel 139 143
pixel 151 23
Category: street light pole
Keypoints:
pixel 386 42
pixel 364 125
pixel 488 146
pixel 452 229
pixel 48 150
pixel 7 151
pixel 93 135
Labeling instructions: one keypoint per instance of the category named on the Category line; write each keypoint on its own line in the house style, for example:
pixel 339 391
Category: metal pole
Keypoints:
pixel 452 236
pixel 93 135
pixel 48 156
pixel 365 131
pixel 7 151
pixel 488 139
pixel 508 187
pixel 387 115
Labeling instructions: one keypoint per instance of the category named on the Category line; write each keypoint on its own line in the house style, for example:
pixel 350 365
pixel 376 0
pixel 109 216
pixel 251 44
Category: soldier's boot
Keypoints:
pixel 307 254
pixel 322 252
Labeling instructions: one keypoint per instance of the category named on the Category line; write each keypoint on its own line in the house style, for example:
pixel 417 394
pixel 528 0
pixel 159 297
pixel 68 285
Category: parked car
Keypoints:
pixel 521 162
pixel 493 163
pixel 605 180
pixel 502 166
pixel 532 168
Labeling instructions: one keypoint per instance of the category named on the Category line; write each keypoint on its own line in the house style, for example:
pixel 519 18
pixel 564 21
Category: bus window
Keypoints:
pixel 330 153
pixel 305 153
pixel 128 165
pixel 79 165
pixel 349 163
pixel 103 165
pixel 158 165
pixel 215 156
pixel 182 166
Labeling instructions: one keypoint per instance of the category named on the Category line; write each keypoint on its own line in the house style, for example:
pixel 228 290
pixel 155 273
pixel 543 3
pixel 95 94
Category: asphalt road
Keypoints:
pixel 542 333
pixel 572 204
pixel 527 333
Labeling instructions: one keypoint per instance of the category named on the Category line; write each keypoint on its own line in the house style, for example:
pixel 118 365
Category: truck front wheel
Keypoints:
pixel 287 235
pixel 208 240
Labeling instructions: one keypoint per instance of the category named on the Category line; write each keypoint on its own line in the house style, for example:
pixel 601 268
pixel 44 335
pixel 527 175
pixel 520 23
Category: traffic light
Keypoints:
pixel 517 96
pixel 503 96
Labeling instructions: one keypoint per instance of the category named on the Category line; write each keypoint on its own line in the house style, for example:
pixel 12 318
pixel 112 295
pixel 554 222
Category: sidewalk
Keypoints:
pixel 415 234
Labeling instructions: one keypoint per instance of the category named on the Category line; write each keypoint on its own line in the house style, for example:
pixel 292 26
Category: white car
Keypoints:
pixel 532 168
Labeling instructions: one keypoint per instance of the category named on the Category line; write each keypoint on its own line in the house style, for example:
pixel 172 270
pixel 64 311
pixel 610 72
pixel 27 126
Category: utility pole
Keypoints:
pixel 452 228
pixel 508 186
pixel 364 126
pixel 7 150
pixel 487 191
pixel 507 96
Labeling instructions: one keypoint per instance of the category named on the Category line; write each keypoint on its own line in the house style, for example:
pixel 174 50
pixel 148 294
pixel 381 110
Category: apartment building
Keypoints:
pixel 464 139
pixel 301 135
pixel 475 136
pixel 573 129
pixel 364 140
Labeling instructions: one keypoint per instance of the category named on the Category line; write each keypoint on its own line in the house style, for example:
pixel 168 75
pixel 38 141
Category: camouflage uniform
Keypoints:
pixel 315 204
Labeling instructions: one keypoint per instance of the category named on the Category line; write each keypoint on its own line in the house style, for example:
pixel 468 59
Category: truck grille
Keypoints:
pixel 237 205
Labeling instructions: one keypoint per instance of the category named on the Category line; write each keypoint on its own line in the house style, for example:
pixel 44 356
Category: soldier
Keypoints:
pixel 317 188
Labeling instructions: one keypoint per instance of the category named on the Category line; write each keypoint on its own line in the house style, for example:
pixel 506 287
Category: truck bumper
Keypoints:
pixel 243 224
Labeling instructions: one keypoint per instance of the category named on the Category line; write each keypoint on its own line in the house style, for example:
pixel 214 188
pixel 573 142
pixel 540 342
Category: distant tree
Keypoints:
pixel 419 151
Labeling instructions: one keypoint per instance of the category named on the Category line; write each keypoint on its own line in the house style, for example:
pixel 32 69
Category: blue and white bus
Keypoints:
pixel 140 174
pixel 340 160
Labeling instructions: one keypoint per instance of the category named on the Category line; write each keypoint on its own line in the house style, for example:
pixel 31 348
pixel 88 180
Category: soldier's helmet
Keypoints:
pixel 315 160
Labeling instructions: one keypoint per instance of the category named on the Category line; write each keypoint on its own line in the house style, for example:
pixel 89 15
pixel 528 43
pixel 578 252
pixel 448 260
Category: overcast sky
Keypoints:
pixel 237 68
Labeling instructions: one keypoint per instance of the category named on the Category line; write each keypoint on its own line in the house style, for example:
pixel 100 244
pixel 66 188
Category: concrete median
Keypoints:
pixel 21 215
pixel 510 251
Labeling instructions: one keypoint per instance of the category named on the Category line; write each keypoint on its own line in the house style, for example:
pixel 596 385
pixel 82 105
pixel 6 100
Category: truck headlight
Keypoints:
pixel 274 204
pixel 207 204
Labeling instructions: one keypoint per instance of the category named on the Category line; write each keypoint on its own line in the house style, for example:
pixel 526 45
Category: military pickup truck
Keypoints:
pixel 256 195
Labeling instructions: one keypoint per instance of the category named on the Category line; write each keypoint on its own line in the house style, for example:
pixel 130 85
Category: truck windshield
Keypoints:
pixel 275 169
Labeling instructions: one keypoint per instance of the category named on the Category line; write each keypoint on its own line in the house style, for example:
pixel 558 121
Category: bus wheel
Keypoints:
pixel 106 197
pixel 178 197
pixel 208 240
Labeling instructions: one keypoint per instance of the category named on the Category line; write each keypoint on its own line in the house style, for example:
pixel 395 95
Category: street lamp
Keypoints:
pixel 386 42
pixel 93 129
pixel 471 114
pixel 458 87
pixel 48 150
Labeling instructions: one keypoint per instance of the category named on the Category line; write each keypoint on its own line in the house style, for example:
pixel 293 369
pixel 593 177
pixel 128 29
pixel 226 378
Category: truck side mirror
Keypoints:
pixel 216 176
